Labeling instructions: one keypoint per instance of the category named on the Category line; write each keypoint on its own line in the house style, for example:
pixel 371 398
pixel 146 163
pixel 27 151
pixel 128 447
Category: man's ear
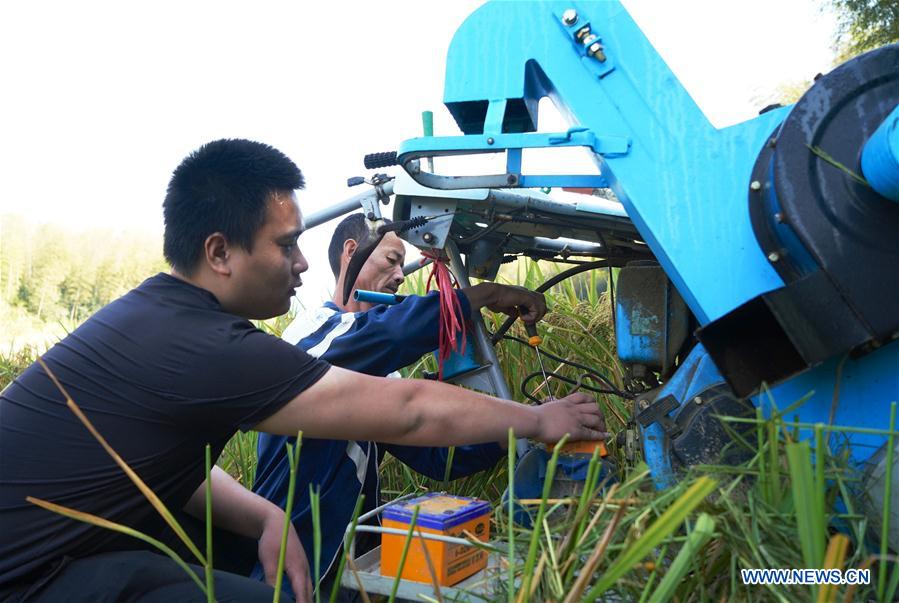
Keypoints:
pixel 349 248
pixel 217 253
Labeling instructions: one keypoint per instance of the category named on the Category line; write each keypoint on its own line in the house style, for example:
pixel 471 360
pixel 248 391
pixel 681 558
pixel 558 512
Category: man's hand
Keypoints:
pixel 507 299
pixel 577 415
pixel 296 567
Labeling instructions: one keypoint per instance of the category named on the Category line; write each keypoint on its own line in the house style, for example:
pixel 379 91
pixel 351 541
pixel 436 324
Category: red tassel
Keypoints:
pixel 452 322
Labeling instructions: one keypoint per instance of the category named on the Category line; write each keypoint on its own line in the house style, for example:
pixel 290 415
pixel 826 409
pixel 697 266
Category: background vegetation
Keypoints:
pixel 52 278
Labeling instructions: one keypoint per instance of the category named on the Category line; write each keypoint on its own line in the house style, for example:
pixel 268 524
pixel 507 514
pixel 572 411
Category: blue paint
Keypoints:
pixel 880 158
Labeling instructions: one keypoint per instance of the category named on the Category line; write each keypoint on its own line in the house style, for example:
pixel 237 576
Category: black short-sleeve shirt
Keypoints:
pixel 161 372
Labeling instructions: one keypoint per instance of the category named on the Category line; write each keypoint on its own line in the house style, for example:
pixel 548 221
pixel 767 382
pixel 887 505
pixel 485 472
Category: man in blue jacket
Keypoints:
pixel 376 340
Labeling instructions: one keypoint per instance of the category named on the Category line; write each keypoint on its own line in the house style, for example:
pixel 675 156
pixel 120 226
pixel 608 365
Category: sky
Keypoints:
pixel 99 101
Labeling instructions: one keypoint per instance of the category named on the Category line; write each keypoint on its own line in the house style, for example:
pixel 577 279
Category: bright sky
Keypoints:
pixel 101 100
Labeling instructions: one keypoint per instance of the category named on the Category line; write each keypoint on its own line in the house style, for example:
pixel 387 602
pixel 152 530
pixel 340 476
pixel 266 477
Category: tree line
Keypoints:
pixel 52 276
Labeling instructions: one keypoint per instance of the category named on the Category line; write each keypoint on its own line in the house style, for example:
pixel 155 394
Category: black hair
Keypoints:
pixel 351 227
pixel 223 186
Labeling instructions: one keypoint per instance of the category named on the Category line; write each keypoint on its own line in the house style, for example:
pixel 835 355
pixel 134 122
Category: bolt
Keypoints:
pixel 489 141
pixel 644 404
pixel 582 33
pixel 596 49
pixel 569 17
pixel 697 400
pixel 427 237
pixel 512 179
pixel 370 215
pixel 755 185
pixel 779 218
pixel 773 256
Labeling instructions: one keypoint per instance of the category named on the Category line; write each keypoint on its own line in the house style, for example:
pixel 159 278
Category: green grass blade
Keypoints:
pixel 143 487
pixel 541 511
pixel 887 507
pixel 351 533
pixel 809 518
pixel 399 570
pixel 669 521
pixel 316 540
pixel 702 532
pixel 117 527
pixel 510 586
pixel 448 469
pixel 293 457
pixel 210 583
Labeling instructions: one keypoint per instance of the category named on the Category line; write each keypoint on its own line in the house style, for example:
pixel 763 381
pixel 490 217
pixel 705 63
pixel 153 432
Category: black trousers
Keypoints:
pixel 148 576
pixel 133 576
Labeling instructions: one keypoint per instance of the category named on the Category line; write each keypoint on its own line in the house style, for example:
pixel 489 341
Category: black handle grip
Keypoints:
pixel 374 161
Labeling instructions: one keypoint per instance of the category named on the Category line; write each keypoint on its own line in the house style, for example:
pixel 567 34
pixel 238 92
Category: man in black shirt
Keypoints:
pixel 175 364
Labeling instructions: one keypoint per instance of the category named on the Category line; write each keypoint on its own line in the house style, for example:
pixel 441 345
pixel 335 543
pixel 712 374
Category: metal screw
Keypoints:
pixel 370 215
pixel 773 256
pixel 697 400
pixel 644 404
pixel 569 17
pixel 489 141
pixel 582 32
pixel 427 237
pixel 779 218
pixel 755 185
pixel 512 179
pixel 590 39
pixel 596 49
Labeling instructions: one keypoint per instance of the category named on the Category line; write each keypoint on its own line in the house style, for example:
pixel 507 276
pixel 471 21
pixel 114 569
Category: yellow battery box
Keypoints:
pixel 439 513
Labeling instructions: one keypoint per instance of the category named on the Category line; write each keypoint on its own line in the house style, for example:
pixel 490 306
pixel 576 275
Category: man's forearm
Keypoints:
pixel 343 405
pixel 234 507
pixel 480 296
pixel 442 413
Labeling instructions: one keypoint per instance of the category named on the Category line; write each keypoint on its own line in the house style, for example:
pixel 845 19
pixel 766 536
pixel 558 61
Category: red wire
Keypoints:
pixel 452 323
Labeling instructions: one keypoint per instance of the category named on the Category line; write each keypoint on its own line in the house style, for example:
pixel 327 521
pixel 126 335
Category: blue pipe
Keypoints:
pixel 376 297
pixel 880 158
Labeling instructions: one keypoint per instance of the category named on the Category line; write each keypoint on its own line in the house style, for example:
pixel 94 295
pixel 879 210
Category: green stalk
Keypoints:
pixel 314 502
pixel 541 511
pixel 346 548
pixel 773 446
pixel 399 570
pixel 117 527
pixel 210 582
pixel 887 506
pixel 702 532
pixel 448 470
pixel 658 531
pixel 510 587
pixel 809 520
pixel 134 477
pixel 764 478
pixel 293 457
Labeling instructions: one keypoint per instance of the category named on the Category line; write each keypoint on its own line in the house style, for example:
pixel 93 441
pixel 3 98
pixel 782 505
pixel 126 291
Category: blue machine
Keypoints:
pixel 762 256
pixel 779 233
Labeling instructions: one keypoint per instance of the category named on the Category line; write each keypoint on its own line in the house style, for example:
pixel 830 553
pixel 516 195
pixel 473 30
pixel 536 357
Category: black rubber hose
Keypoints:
pixel 374 161
pixel 551 283
pixel 596 375
pixel 539 374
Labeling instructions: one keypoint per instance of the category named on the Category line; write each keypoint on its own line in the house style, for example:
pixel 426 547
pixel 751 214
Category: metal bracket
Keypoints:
pixel 513 144
pixel 658 412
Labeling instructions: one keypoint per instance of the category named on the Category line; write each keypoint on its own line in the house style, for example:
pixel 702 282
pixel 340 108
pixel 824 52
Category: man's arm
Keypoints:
pixel 511 300
pixel 238 510
pixel 343 405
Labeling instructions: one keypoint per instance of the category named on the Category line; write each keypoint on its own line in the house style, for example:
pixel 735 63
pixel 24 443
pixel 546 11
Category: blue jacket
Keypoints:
pixel 376 342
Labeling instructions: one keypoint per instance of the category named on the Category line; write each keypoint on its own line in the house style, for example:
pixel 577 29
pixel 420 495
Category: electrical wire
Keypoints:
pixel 578 382
pixel 588 372
pixel 617 262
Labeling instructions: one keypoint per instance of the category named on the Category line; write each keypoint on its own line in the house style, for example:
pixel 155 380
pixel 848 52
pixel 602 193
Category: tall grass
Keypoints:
pixel 627 540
